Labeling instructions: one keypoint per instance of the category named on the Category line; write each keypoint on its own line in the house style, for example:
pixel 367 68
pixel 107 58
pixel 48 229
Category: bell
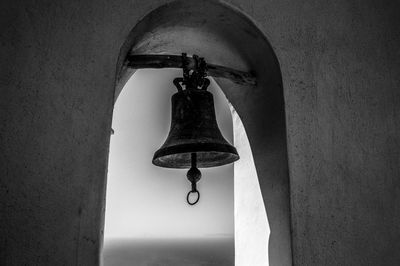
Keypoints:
pixel 194 139
pixel 194 129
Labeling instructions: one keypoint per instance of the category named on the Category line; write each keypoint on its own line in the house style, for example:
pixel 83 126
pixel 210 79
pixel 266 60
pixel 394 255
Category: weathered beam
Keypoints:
pixel 175 61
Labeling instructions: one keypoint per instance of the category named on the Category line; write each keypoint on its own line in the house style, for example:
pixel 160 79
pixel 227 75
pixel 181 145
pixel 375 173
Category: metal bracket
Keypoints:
pixel 176 61
pixel 193 78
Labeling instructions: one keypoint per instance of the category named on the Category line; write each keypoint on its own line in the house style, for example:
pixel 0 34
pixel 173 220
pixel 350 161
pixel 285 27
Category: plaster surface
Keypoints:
pixel 251 222
pixel 340 66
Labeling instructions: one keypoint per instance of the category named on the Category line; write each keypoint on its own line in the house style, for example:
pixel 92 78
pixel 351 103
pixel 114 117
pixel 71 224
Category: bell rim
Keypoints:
pixel 196 148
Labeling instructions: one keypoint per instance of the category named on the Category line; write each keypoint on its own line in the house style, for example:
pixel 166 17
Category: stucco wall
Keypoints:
pixel 340 64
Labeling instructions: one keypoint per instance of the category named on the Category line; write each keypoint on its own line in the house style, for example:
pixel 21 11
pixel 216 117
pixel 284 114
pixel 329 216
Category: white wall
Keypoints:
pixel 251 225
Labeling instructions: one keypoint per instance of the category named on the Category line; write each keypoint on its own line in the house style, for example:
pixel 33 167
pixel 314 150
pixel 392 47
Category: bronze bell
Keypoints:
pixel 194 129
pixel 194 139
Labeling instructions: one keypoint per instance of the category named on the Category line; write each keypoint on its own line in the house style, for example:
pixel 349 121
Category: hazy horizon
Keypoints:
pixel 170 252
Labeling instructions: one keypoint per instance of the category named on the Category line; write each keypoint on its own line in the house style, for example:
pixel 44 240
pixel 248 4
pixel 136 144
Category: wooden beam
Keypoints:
pixel 175 61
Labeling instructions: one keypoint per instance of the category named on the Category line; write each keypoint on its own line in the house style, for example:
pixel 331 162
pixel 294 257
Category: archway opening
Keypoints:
pixel 146 213
pixel 225 36
pixel 147 217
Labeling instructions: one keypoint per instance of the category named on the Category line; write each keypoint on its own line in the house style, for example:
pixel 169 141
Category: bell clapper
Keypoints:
pixel 193 175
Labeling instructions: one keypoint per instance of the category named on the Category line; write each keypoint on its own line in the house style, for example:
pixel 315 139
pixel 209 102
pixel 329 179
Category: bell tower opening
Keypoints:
pixel 224 36
pixel 146 209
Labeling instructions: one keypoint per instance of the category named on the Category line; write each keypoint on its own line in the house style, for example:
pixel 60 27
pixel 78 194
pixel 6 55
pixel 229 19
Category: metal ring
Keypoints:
pixel 198 197
pixel 177 84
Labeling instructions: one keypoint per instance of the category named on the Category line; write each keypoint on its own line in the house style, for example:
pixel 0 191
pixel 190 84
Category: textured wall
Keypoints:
pixel 341 67
pixel 57 77
pixel 340 64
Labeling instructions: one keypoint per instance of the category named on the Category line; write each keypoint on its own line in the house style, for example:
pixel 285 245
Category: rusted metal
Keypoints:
pixel 175 61
pixel 194 129
pixel 194 139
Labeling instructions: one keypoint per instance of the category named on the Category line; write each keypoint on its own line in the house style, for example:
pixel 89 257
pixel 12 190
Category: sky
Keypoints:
pixel 146 201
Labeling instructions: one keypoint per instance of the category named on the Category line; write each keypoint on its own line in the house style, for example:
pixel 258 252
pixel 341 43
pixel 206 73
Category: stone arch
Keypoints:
pixel 225 36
